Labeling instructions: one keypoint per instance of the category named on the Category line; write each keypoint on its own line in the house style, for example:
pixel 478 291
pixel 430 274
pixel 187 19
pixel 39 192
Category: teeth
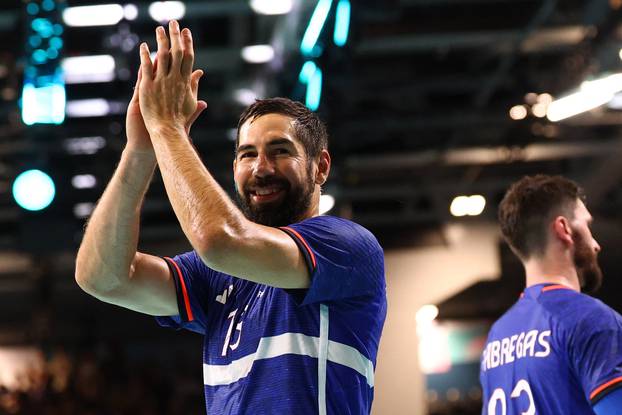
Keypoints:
pixel 264 192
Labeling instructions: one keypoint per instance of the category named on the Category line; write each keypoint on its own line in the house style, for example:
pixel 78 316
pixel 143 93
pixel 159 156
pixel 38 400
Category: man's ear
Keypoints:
pixel 562 229
pixel 323 168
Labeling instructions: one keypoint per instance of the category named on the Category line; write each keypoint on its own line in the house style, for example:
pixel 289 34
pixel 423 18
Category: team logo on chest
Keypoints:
pixel 222 298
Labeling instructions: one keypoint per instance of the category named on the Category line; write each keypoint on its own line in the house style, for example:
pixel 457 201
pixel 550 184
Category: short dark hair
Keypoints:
pixel 308 127
pixel 528 207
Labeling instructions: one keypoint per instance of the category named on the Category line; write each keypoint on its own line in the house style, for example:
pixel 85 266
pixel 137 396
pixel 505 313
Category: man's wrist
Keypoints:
pixel 163 131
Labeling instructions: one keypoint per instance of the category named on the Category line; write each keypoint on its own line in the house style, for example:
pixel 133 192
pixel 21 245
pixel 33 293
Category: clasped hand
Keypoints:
pixel 167 88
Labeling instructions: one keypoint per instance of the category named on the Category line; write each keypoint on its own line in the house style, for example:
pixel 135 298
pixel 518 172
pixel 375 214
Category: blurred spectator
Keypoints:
pixel 103 381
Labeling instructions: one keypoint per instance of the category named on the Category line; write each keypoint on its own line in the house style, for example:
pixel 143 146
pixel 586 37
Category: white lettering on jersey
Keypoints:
pixel 544 343
pixel 518 346
pixel 222 298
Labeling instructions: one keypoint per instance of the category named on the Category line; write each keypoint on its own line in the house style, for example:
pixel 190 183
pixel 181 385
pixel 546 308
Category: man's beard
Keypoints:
pixel 586 264
pixel 290 209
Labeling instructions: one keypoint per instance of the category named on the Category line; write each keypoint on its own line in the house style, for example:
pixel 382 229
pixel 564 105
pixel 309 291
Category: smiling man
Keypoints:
pixel 291 304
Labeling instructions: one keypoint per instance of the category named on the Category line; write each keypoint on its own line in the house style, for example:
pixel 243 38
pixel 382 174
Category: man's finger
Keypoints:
pixel 163 51
pixel 138 78
pixel 188 59
pixel 194 81
pixel 177 51
pixel 146 66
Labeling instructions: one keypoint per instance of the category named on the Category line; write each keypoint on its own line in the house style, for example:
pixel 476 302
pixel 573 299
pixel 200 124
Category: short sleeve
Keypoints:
pixel 596 351
pixel 344 259
pixel 193 281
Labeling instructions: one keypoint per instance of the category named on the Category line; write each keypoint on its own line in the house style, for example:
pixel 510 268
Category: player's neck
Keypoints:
pixel 543 271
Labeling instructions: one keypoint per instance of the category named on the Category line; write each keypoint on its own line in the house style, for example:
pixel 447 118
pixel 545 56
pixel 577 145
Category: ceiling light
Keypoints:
pixel 518 112
pixel 83 181
pixel 97 15
pixel 84 69
pixel 426 314
pixel 467 205
pixel 539 110
pixel 271 6
pixel 258 53
pixel 327 202
pixel 591 94
pixel 163 11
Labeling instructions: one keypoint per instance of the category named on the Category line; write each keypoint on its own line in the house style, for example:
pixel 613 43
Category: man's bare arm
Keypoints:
pixel 108 265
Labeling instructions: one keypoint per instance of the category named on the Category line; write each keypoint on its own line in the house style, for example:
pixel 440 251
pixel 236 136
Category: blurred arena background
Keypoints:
pixel 433 107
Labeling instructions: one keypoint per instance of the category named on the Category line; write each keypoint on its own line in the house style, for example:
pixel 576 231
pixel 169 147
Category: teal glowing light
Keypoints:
pixel 33 190
pixel 48 5
pixel 35 41
pixel 39 56
pixel 56 42
pixel 44 104
pixel 32 8
pixel 342 23
pixel 316 23
pixel 307 71
pixel 314 90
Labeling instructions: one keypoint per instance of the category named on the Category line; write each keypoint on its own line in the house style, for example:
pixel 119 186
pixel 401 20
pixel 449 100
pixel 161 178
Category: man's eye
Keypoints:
pixel 281 151
pixel 245 155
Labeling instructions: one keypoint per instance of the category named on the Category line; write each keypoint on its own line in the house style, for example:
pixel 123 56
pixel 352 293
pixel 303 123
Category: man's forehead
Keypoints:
pixel 267 128
pixel 581 210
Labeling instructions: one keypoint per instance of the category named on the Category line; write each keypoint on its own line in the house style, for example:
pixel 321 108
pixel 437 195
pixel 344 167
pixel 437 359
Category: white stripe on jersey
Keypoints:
pixel 321 360
pixel 288 343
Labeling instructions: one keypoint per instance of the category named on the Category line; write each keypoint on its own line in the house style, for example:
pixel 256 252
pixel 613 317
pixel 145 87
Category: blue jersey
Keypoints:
pixel 269 350
pixel 556 351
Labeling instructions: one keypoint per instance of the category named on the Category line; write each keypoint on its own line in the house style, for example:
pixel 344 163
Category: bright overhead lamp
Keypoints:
pixel 96 15
pixel 467 205
pixel 342 23
pixel 85 69
pixel 591 94
pixel 312 33
pixel 314 90
pixel 163 11
pixel 244 96
pixel 84 181
pixel 130 12
pixel 258 53
pixel 327 202
pixel 426 314
pixel 271 7
pixel 518 112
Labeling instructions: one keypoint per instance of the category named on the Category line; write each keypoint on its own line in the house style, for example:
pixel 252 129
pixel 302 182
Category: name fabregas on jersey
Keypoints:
pixel 533 343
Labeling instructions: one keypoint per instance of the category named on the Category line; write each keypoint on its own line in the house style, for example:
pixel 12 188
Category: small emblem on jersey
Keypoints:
pixel 260 294
pixel 222 298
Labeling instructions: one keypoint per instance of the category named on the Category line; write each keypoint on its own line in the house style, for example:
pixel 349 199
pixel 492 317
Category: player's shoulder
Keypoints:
pixel 338 227
pixel 580 311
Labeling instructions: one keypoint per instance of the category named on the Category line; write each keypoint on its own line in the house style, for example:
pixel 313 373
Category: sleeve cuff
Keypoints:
pixel 307 253
pixel 183 301
pixel 600 392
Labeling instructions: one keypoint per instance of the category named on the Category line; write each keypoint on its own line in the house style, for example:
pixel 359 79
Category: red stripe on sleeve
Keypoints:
pixel 605 386
pixel 184 291
pixel 304 243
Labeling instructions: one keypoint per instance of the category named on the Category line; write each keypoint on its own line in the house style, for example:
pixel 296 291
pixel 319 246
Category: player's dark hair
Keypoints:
pixel 308 127
pixel 528 207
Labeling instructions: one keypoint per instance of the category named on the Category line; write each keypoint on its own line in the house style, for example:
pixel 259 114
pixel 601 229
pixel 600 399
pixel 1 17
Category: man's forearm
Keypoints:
pixel 111 237
pixel 204 210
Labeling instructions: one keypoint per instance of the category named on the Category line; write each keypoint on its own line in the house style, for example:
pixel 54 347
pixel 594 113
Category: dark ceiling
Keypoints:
pixel 417 103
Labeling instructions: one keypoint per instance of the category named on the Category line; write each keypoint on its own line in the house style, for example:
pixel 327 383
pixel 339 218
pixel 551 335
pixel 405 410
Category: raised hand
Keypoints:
pixel 168 90
pixel 137 134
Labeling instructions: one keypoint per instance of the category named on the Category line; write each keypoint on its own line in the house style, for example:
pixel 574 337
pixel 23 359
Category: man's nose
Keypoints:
pixel 264 166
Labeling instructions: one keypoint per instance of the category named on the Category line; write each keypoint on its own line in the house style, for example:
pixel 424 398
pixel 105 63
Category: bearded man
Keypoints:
pixel 291 304
pixel 557 350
